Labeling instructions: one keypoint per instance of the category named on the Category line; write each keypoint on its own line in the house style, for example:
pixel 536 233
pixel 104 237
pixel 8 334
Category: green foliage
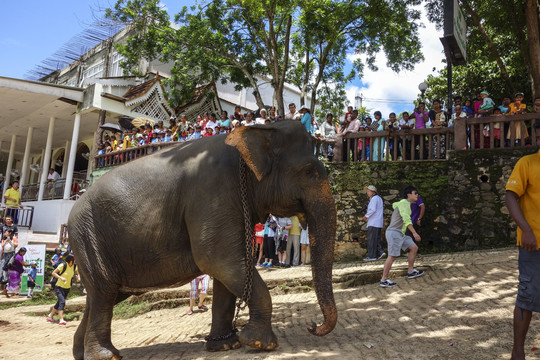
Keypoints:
pixel 482 71
pixel 304 42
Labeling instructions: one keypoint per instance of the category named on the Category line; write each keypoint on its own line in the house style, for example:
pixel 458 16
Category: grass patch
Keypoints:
pixel 126 309
pixel 46 297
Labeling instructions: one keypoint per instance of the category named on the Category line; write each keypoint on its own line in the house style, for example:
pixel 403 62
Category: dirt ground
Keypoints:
pixel 461 309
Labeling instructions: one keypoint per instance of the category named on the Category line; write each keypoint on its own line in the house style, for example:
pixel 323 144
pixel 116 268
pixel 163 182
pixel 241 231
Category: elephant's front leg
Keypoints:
pixel 223 306
pixel 258 331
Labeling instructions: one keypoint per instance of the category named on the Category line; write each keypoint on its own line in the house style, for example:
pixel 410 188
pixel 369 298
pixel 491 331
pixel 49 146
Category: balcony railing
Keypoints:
pixel 125 155
pixel 24 215
pixel 492 132
pixel 53 190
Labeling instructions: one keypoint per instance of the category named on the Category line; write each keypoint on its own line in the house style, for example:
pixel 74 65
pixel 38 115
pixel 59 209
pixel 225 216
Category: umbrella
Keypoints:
pixel 111 127
pixel 125 122
pixel 138 122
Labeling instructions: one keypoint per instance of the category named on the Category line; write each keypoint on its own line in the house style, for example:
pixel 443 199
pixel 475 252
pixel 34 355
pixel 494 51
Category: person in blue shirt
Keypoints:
pixel 32 276
pixel 197 134
pixel 306 118
pixel 56 259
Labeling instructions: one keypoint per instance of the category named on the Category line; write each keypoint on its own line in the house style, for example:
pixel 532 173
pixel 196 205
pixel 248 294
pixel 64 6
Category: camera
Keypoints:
pixel 363 208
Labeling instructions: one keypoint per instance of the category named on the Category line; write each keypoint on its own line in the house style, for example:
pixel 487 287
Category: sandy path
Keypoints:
pixel 461 309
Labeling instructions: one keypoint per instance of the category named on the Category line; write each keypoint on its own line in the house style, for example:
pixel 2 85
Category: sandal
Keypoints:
pixel 50 320
pixel 190 312
pixel 203 307
pixel 63 322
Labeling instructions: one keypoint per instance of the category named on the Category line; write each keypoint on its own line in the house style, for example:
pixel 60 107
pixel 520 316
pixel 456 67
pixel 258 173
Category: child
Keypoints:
pixel 487 104
pixel 31 282
pixel 56 259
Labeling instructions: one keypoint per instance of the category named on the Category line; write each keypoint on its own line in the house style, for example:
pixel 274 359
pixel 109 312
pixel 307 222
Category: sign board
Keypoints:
pixel 460 30
pixel 455 33
pixel 34 253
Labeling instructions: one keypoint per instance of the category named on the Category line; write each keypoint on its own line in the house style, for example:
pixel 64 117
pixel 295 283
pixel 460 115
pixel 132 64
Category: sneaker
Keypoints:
pixel 263 264
pixel 370 259
pixel 29 296
pixel 381 256
pixel 415 273
pixel 387 283
pixel 269 265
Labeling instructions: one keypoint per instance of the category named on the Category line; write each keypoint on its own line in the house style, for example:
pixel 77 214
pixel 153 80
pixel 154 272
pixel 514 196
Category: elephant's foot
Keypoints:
pixel 231 343
pixel 101 353
pixel 258 336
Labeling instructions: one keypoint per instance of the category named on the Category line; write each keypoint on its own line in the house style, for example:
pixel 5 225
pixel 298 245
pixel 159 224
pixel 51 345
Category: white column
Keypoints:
pixel 66 159
pixel 9 163
pixel 46 159
pixel 26 158
pixel 72 155
pixel 38 175
pixel 90 159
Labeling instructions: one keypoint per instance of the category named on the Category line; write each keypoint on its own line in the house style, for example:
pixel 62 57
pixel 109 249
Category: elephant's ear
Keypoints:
pixel 254 145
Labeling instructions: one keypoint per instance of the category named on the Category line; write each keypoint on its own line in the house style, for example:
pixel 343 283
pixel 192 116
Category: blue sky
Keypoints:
pixel 31 31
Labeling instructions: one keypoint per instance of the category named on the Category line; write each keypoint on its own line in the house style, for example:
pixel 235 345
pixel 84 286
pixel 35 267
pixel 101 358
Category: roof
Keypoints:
pixel 141 89
pixel 198 96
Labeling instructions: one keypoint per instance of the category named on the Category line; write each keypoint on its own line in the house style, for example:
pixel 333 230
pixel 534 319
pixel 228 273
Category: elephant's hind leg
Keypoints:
pixel 97 339
pixel 78 339
pixel 221 337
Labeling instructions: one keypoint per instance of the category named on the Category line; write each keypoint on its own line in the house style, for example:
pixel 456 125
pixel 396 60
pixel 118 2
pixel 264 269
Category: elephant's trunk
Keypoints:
pixel 321 217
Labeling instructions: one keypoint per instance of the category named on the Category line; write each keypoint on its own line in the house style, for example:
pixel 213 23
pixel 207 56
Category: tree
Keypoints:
pixel 302 41
pixel 327 30
pixel 503 55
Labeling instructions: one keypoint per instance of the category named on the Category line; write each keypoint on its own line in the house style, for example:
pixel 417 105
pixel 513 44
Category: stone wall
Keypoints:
pixel 464 199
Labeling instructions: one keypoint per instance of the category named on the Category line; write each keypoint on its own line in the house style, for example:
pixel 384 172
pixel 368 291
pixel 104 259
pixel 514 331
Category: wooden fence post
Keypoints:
pixel 460 134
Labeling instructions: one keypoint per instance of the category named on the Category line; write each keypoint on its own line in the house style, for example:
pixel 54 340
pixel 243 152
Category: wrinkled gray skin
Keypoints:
pixel 166 218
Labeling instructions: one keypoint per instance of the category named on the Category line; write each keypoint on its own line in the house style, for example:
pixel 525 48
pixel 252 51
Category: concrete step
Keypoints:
pixel 26 236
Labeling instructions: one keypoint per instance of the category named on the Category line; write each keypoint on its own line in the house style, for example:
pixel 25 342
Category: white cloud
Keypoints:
pixel 385 84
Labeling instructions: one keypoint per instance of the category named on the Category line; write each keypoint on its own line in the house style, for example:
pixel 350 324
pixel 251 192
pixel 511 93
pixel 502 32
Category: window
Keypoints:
pixel 94 71
pixel 116 69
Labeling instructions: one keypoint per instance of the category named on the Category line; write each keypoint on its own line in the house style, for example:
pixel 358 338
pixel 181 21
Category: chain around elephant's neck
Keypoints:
pixel 249 237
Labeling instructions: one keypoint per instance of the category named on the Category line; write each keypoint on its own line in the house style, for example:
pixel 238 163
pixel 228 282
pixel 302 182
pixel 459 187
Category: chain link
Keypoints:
pixel 249 237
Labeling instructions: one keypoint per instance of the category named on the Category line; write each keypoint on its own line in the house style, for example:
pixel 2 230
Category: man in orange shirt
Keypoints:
pixel 523 202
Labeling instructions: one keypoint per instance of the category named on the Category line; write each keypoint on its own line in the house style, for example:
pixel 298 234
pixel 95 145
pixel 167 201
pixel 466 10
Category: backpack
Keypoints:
pixel 54 280
pixel 10 263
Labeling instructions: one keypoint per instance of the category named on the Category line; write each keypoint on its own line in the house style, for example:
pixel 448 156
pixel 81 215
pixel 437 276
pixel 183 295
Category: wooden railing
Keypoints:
pixel 492 132
pixel 125 155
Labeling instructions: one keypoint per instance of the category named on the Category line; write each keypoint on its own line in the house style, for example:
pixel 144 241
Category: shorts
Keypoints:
pixel 30 284
pixel 282 247
pixel 397 241
pixel 259 239
pixel 528 297
pixel 203 281
pixel 304 237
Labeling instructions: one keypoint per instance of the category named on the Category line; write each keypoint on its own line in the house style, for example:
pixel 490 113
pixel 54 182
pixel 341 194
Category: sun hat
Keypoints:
pixel 372 188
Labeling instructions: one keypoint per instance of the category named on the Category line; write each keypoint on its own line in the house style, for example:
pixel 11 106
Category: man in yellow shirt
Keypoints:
pixel 12 197
pixel 523 202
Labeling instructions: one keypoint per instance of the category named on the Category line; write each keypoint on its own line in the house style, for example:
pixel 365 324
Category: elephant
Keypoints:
pixel 163 219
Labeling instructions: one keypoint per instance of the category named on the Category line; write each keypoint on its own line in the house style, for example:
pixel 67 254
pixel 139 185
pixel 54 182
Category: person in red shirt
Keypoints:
pixel 209 132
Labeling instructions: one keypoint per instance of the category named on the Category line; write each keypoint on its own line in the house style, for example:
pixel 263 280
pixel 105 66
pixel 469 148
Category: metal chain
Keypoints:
pixel 249 237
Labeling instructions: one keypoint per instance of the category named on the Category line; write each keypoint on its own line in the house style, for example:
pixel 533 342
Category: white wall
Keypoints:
pixel 50 214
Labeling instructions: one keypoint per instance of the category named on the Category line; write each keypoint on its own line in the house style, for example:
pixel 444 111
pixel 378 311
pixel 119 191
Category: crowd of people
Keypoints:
pixel 421 118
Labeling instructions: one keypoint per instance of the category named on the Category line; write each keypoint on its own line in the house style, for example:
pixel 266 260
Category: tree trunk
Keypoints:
pixel 491 46
pixel 533 31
